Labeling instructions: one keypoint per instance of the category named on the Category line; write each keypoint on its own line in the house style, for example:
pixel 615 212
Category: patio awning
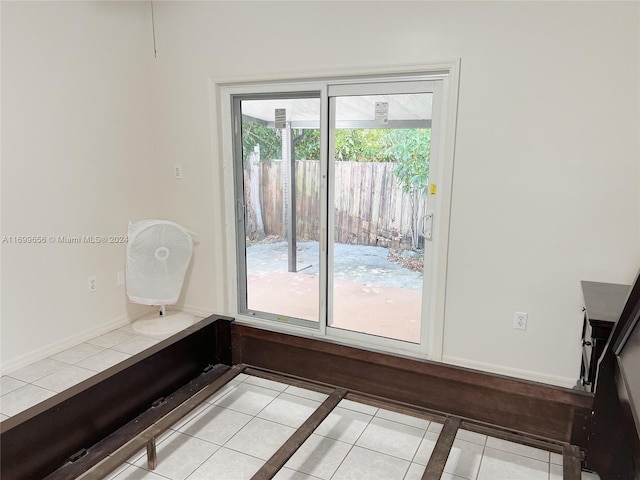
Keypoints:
pixel 404 111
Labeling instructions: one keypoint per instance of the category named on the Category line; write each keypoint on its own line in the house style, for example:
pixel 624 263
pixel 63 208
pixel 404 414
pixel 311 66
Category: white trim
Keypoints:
pixel 217 195
pixel 548 379
pixel 324 217
pixel 68 342
pixel 443 222
pixel 77 339
pixel 197 311
pixel 286 86
pixel 356 73
pixel 228 201
pixel 328 218
pixel 448 72
pixel 385 86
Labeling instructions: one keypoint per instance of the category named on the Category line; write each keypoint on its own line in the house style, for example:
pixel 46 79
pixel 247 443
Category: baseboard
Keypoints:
pixel 197 311
pixel 57 347
pixel 556 380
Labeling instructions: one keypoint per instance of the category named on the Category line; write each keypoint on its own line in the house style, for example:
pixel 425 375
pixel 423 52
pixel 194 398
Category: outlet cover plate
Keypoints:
pixel 520 320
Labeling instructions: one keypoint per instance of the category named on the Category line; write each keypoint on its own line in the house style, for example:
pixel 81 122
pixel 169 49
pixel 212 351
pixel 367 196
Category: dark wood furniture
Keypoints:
pixel 81 417
pixel 535 409
pixel 109 412
pixel 125 407
pixel 613 446
pixel 603 304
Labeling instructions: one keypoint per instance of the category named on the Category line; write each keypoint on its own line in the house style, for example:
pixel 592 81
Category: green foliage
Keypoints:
pixel 407 147
pixel 268 139
pixel 308 147
pixel 270 142
pixel 362 145
pixel 411 149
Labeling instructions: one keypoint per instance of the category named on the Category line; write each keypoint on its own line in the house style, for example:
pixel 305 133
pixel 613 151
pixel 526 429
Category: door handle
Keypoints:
pixel 428 226
pixel 240 206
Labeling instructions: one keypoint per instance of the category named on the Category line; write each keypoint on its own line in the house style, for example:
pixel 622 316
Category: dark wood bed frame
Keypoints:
pixel 102 421
pixel 613 446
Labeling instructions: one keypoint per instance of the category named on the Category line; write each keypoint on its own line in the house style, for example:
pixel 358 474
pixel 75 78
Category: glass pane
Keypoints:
pixel 281 168
pixel 382 145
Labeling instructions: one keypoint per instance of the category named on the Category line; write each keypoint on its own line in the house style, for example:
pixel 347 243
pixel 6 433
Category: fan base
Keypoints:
pixel 168 324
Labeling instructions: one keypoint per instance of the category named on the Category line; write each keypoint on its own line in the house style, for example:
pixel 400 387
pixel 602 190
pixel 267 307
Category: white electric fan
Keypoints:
pixel 158 255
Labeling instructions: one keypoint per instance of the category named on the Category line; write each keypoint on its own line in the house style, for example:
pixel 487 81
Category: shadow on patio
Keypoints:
pixel 371 294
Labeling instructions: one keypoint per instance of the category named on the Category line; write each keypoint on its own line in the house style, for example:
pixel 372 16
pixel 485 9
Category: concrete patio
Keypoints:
pixel 371 294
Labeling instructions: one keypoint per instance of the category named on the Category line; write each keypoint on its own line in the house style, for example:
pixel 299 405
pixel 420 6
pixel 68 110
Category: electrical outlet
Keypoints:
pixel 520 320
pixel 120 279
pixel 92 284
pixel 178 171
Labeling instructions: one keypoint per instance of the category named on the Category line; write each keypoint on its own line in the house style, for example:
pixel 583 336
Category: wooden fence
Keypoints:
pixel 370 206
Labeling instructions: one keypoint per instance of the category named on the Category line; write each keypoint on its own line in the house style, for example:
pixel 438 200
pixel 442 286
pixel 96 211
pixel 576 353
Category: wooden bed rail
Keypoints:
pixel 111 452
pixel 97 415
pixel 85 414
pixel 613 448
pixel 535 409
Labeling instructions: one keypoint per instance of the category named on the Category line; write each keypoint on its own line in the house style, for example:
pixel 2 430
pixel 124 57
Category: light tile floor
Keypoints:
pixel 32 384
pixel 233 433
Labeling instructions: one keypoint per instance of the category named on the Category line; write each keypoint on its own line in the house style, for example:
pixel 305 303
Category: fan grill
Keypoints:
pixel 158 255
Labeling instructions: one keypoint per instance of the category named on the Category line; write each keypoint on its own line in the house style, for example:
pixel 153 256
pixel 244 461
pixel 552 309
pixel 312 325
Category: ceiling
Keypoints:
pixel 413 110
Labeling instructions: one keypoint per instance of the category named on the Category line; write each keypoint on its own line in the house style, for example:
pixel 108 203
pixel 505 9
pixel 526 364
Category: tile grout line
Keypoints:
pixel 484 448
pixel 483 444
pixel 205 460
pixel 442 449
pixel 67 364
pixel 295 441
pixel 420 443
pixel 277 423
pixel 131 465
pixel 353 444
pixel 239 430
pixel 253 417
pixel 549 463
pixel 411 462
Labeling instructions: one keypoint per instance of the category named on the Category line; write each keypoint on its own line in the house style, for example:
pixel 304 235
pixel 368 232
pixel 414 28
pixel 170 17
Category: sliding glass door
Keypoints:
pixel 379 163
pixel 280 180
pixel 335 207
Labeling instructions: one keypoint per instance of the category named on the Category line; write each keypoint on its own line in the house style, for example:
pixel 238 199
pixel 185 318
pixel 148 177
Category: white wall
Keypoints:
pixel 546 170
pixel 547 158
pixel 76 159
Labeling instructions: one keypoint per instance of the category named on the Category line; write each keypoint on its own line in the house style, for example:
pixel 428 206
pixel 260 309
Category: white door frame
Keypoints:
pixel 442 146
